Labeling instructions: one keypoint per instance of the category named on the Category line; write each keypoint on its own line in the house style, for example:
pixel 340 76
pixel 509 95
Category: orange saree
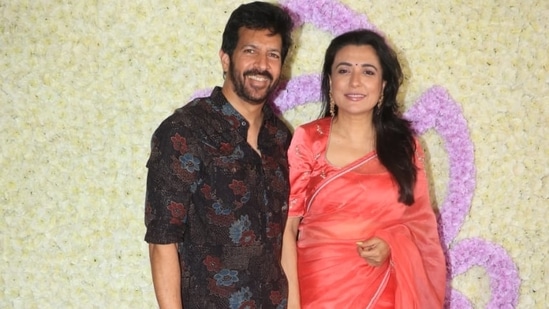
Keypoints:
pixel 340 206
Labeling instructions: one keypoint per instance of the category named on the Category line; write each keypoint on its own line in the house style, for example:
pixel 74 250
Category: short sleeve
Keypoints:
pixel 421 192
pixel 300 161
pixel 172 170
pixel 419 156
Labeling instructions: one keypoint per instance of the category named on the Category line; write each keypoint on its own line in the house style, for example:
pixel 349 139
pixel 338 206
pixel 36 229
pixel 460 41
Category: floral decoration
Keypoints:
pixel 437 110
pixel 85 83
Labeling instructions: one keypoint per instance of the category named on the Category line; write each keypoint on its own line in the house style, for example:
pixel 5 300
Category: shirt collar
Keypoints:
pixel 223 106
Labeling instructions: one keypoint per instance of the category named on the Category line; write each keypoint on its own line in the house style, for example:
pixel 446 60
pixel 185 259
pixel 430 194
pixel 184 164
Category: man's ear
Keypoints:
pixel 225 60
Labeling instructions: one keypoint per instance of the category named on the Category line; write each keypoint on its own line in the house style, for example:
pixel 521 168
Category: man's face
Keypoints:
pixel 255 66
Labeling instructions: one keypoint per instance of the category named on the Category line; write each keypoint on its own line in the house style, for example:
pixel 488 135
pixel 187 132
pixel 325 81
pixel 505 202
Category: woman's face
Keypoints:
pixel 356 81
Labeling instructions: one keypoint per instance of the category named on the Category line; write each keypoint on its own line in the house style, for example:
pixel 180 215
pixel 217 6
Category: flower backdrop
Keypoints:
pixel 84 85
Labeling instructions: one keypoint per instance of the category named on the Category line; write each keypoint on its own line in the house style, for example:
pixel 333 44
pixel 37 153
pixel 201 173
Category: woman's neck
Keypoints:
pixel 354 129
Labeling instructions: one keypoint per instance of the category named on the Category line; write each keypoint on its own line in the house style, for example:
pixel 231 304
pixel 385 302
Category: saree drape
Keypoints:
pixel 356 205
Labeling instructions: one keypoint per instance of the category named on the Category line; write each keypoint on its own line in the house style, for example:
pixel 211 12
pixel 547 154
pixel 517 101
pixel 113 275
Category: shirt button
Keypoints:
pixel 243 123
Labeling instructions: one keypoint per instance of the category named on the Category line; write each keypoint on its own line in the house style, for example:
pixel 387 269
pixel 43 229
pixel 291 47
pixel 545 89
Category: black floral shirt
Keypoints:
pixel 223 203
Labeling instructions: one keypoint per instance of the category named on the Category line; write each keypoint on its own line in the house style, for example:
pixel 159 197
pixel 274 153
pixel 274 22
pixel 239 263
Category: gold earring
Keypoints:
pixel 379 103
pixel 332 105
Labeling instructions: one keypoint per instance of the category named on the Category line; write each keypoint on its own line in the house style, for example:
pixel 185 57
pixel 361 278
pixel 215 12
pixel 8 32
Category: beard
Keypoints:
pixel 247 93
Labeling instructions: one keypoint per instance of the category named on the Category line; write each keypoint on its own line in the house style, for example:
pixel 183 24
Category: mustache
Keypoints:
pixel 258 72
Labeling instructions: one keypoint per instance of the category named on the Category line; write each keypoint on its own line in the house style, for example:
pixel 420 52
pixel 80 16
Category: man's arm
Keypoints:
pixel 166 275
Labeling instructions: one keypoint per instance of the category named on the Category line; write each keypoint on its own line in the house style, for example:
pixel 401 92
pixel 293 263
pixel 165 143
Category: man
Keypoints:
pixel 217 185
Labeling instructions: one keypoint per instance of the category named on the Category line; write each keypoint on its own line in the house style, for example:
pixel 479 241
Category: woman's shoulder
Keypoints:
pixel 321 126
pixel 314 133
pixel 419 154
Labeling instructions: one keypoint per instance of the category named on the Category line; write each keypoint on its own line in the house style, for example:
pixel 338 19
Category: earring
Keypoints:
pixel 378 105
pixel 332 105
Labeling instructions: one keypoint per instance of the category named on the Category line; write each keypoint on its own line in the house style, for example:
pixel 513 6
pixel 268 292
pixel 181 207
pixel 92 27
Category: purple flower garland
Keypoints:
pixel 436 110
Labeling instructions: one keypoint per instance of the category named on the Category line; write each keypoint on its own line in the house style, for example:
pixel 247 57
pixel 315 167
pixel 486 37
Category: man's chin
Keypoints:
pixel 256 97
pixel 254 101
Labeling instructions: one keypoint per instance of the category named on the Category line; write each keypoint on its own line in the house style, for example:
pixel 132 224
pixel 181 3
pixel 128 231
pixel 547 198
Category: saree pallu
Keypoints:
pixel 358 204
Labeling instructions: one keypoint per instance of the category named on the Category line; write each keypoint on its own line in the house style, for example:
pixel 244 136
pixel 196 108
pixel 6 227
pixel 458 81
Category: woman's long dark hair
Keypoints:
pixel 395 143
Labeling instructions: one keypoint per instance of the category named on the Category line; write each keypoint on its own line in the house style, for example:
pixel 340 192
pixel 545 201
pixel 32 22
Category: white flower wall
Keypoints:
pixel 85 83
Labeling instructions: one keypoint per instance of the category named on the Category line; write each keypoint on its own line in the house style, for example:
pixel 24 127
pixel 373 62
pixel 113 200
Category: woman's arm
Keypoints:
pixel 289 261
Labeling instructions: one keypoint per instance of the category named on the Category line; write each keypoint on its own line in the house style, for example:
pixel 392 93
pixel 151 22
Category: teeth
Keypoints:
pixel 258 77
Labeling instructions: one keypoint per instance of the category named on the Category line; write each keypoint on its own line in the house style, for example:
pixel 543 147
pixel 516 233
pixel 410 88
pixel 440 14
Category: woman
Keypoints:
pixel 361 232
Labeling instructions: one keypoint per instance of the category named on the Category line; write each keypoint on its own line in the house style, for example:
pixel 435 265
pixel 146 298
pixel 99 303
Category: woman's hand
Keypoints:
pixel 374 250
pixel 289 261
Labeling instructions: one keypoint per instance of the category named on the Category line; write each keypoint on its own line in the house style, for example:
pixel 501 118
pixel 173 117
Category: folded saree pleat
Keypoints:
pixel 333 234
